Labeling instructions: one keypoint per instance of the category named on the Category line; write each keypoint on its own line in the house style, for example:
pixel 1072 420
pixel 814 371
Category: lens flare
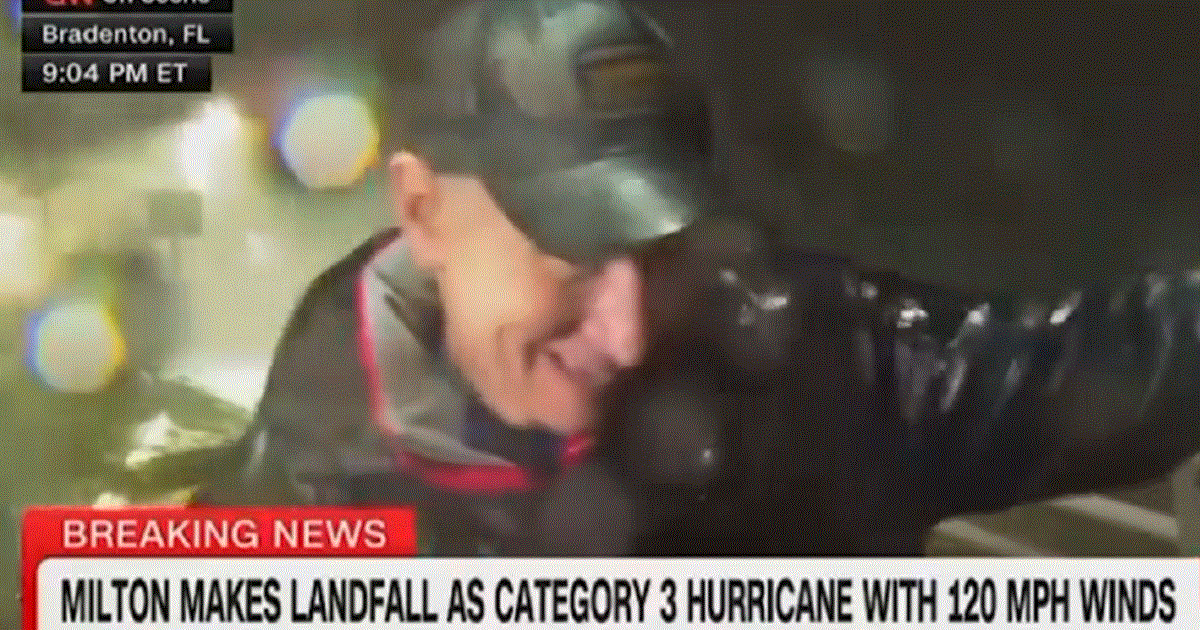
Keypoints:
pixel 206 140
pixel 14 14
pixel 75 347
pixel 328 141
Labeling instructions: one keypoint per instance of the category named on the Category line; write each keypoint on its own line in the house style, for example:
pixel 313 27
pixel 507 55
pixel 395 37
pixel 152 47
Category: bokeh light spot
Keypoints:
pixel 204 140
pixel 75 347
pixel 329 141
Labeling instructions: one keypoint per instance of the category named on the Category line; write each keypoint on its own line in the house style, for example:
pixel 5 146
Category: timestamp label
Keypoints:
pixel 116 73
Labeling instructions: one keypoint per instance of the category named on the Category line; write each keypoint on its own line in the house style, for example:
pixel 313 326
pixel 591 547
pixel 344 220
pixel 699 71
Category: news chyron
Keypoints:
pixel 369 568
pixel 123 45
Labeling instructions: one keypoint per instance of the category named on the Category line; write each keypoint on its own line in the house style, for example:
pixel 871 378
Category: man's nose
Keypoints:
pixel 614 318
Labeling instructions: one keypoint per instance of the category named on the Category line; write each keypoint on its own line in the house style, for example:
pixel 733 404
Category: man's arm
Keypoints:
pixel 1023 403
pixel 855 407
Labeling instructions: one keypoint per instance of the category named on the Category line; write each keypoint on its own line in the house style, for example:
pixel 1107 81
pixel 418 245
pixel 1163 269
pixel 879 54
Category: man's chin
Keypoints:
pixel 562 404
pixel 558 415
pixel 567 421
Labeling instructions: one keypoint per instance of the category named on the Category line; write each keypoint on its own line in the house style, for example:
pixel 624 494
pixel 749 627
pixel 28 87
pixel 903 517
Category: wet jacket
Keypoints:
pixel 849 409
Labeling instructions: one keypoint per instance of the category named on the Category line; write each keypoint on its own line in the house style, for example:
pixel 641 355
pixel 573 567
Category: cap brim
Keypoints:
pixel 607 206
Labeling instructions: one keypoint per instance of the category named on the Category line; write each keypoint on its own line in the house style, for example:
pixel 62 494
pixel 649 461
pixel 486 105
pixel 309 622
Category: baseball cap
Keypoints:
pixel 569 114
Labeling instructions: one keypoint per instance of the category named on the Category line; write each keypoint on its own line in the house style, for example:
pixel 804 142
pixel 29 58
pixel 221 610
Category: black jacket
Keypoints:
pixel 794 404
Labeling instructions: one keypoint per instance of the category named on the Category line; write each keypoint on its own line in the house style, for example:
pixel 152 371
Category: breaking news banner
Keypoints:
pixel 240 568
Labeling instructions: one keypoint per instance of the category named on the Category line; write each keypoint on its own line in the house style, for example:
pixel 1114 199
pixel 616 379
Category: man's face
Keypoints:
pixel 537 337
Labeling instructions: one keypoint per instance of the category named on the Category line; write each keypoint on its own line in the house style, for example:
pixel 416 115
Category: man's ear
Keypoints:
pixel 415 207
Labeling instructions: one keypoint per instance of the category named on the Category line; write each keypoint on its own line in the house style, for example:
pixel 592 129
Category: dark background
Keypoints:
pixel 1028 144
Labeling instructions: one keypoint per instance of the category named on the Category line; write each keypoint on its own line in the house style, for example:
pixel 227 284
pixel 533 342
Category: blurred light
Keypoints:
pixel 239 380
pixel 203 140
pixel 110 500
pixel 150 439
pixel 160 435
pixel 260 248
pixel 75 347
pixel 329 141
pixel 1063 312
pixel 155 432
pixel 18 255
pixel 978 316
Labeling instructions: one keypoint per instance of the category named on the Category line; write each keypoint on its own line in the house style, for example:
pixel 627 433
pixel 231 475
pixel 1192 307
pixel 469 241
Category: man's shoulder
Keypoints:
pixel 335 290
pixel 317 358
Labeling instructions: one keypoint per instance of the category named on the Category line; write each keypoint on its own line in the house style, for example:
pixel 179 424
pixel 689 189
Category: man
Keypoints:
pixel 561 277
pixel 471 351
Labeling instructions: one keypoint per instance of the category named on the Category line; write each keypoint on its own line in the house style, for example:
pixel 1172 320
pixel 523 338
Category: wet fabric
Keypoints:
pixel 849 408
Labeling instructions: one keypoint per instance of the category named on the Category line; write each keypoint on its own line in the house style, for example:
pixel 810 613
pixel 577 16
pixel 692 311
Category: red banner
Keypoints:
pixel 50 532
